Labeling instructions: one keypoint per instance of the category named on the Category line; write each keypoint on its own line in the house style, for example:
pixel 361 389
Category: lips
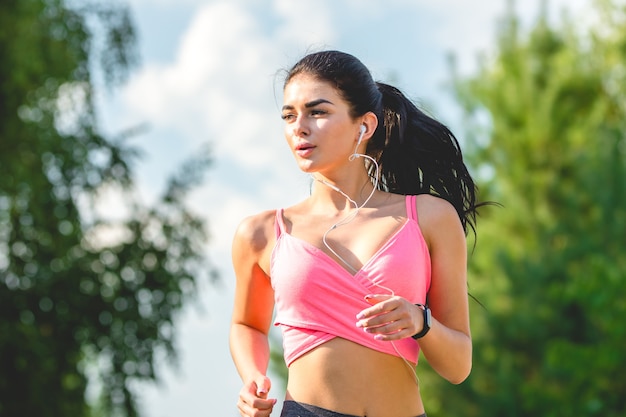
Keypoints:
pixel 303 146
pixel 304 149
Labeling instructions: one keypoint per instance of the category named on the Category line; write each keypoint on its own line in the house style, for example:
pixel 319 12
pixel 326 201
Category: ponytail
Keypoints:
pixel 417 154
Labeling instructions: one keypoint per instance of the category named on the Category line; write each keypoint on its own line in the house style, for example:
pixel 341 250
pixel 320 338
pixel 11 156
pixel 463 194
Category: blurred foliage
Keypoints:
pixel 546 138
pixel 84 296
pixel 547 135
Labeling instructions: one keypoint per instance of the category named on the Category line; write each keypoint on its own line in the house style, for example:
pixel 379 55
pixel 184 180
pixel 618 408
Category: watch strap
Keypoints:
pixel 427 321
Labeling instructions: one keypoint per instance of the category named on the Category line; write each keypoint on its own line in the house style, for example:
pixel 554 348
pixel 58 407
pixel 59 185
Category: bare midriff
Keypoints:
pixel 351 379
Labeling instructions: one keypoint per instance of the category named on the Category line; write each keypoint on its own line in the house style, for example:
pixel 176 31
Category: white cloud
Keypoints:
pixel 305 23
pixel 221 87
pixel 468 28
pixel 166 3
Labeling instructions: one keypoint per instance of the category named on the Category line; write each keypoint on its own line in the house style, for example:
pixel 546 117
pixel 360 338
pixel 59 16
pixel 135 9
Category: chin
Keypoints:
pixel 307 168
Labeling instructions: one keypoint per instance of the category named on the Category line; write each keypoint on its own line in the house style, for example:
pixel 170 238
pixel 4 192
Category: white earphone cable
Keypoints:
pixel 350 218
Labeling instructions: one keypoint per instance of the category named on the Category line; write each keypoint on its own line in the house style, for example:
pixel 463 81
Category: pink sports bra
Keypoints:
pixel 317 299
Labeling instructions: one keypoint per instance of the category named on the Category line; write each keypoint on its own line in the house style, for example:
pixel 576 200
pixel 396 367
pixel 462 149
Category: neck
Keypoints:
pixel 348 195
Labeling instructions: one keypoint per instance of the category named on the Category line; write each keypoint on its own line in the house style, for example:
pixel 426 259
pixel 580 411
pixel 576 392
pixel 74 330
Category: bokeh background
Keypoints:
pixel 181 105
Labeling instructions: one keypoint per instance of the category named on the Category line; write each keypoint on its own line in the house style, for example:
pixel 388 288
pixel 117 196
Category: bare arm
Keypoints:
pixel 252 313
pixel 448 345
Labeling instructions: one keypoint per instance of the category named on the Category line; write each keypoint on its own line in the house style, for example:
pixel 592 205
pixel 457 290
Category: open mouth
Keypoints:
pixel 303 146
pixel 304 150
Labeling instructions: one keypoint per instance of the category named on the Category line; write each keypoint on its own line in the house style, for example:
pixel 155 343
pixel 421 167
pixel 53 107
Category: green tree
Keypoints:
pixel 71 301
pixel 548 140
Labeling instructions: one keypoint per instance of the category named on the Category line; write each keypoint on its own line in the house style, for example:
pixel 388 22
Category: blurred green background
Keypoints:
pixel 81 294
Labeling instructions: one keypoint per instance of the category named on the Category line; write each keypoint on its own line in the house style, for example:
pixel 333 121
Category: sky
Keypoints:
pixel 210 74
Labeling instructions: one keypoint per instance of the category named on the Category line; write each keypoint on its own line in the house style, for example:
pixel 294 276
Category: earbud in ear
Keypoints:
pixel 362 130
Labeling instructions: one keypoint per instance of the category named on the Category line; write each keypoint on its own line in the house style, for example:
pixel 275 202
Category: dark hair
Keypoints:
pixel 416 153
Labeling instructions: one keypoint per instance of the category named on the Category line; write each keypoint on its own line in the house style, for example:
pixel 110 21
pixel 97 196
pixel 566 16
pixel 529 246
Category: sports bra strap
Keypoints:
pixel 411 209
pixel 279 223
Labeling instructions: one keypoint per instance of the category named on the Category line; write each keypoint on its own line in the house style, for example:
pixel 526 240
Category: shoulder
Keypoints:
pixel 434 208
pixel 437 218
pixel 255 233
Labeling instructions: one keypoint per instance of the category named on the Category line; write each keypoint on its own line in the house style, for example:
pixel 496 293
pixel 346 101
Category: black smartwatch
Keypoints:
pixel 427 322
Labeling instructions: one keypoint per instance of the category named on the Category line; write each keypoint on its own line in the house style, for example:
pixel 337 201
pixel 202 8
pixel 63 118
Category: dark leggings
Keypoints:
pixel 296 409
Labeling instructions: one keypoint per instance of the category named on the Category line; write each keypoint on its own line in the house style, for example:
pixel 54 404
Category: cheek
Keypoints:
pixel 324 125
pixel 288 133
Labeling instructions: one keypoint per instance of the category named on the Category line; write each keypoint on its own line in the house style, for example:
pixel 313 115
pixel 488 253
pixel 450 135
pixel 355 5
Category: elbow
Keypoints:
pixel 457 368
pixel 460 371
pixel 460 376
pixel 454 362
pixel 455 373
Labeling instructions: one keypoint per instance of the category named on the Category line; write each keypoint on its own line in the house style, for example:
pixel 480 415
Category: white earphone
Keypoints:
pixel 352 216
pixel 362 130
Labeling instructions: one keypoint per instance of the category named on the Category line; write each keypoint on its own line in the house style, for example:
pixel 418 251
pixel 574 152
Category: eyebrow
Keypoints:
pixel 309 104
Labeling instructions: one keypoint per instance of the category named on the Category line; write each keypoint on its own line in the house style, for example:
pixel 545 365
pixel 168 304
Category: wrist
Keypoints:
pixel 427 321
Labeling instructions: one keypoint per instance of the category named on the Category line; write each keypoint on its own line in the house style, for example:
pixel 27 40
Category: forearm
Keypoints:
pixel 448 352
pixel 250 350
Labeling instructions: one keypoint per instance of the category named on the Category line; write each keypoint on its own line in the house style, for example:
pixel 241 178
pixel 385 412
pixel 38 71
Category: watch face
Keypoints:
pixel 428 317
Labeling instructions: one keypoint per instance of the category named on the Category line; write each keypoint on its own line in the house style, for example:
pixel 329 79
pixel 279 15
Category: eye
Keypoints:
pixel 287 116
pixel 318 112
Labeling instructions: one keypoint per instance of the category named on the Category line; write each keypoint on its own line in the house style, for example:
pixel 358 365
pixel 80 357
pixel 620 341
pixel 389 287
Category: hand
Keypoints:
pixel 390 318
pixel 253 401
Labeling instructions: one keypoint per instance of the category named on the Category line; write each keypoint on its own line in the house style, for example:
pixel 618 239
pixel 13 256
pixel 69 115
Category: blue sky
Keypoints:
pixel 208 75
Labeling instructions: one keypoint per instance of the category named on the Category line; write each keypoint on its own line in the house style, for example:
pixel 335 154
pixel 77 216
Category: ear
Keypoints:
pixel 370 121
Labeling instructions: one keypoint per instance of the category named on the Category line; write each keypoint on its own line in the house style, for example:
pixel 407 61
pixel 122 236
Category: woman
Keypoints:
pixel 367 270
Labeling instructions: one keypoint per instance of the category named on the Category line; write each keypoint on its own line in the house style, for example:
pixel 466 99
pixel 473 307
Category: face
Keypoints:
pixel 318 126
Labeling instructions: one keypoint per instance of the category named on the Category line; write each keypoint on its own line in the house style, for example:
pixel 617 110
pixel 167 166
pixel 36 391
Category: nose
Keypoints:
pixel 299 127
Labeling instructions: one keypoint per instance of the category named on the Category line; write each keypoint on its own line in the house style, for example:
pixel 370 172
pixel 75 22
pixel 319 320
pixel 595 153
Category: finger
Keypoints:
pixel 256 410
pixel 263 406
pixel 393 330
pixel 374 299
pixel 372 322
pixel 389 337
pixel 254 406
pixel 379 305
pixel 263 386
pixel 389 322
pixel 253 398
pixel 384 311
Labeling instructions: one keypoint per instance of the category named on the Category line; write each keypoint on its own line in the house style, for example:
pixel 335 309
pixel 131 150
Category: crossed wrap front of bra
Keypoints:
pixel 317 299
